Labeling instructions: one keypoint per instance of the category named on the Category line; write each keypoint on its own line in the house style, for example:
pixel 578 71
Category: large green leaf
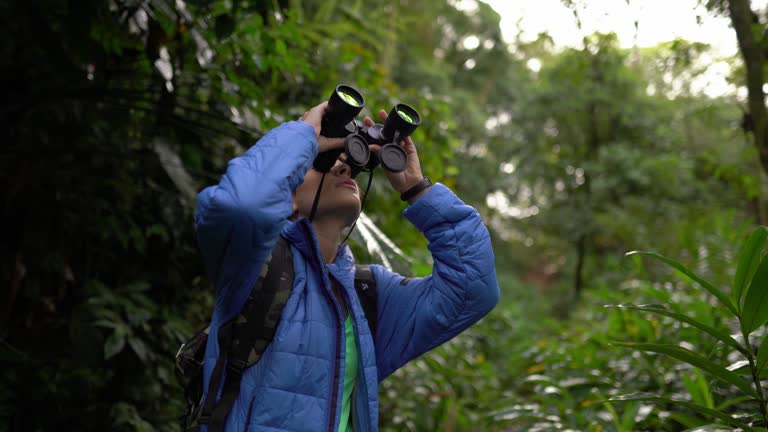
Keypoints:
pixel 762 355
pixel 694 359
pixel 749 259
pixel 754 313
pixel 690 405
pixel 724 299
pixel 712 331
pixel 698 388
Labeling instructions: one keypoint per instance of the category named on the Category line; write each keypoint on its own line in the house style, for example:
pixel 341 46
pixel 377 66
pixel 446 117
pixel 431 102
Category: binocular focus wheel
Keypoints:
pixel 393 158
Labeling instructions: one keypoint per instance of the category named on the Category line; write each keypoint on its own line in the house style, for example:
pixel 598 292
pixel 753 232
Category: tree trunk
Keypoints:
pixel 751 50
pixel 581 252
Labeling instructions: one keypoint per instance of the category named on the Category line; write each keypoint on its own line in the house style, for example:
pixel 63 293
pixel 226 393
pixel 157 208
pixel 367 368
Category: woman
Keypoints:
pixel 322 369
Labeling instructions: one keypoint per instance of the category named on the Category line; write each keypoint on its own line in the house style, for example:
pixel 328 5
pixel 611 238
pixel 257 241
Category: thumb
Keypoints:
pixel 315 115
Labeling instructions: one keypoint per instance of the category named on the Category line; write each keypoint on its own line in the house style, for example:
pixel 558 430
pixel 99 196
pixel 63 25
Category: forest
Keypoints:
pixel 627 207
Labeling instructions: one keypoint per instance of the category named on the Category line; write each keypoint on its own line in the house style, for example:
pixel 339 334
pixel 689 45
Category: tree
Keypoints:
pixel 752 45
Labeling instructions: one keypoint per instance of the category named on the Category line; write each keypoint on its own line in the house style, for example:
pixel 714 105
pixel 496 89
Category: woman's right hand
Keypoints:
pixel 314 117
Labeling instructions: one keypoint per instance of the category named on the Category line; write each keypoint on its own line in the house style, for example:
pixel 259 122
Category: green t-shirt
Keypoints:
pixel 350 374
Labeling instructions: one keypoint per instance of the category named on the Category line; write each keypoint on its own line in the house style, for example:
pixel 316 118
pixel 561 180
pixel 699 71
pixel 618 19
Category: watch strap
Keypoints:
pixel 415 190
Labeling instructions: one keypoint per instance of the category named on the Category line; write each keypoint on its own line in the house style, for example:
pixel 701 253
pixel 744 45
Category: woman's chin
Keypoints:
pixel 348 211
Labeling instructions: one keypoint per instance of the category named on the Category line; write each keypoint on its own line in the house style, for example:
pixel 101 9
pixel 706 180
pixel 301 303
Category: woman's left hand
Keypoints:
pixel 411 175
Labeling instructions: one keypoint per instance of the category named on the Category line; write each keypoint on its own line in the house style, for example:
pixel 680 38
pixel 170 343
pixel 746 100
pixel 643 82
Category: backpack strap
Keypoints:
pixel 365 285
pixel 246 336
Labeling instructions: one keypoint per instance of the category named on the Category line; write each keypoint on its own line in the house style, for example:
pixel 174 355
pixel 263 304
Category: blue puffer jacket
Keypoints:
pixel 295 386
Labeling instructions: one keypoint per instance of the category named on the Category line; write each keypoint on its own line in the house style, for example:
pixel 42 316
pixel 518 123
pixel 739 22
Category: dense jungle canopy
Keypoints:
pixel 116 113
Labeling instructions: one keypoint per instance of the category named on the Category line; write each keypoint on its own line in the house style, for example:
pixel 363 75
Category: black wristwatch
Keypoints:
pixel 420 186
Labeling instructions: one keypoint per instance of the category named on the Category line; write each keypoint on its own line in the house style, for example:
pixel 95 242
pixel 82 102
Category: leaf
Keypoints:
pixel 741 367
pixel 754 313
pixel 712 331
pixel 762 355
pixel 704 390
pixel 681 268
pixel 695 407
pixel 694 359
pixel 685 420
pixel 749 259
pixel 158 230
pixel 693 389
pixel 628 418
pixel 114 344
pixel 713 427
pixel 139 348
pixel 733 401
pixel 280 48
pixel 224 26
pixel 515 417
pixel 105 324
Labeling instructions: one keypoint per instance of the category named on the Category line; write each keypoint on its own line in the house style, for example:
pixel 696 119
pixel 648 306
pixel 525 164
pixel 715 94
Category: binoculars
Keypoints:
pixel 339 121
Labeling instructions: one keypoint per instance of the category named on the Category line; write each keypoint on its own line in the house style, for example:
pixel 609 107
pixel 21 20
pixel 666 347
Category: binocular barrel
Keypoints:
pixel 402 121
pixel 344 105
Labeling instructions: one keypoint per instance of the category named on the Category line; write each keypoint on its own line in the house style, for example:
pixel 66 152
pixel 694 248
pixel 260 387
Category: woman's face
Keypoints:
pixel 339 198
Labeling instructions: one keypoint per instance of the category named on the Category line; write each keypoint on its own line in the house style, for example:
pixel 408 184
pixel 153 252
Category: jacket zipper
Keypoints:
pixel 248 417
pixel 335 381
pixel 326 287
pixel 360 385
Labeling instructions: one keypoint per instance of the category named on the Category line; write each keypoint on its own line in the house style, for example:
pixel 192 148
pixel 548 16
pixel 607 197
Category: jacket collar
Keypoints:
pixel 302 236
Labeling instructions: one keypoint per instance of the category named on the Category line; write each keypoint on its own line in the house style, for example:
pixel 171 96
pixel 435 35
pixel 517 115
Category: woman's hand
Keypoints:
pixel 314 117
pixel 411 175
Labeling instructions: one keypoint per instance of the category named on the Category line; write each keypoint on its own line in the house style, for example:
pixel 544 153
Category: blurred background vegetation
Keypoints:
pixel 116 112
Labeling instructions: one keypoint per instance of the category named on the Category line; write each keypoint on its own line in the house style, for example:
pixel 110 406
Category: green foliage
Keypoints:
pixel 754 313
pixel 752 316
pixel 720 295
pixel 751 255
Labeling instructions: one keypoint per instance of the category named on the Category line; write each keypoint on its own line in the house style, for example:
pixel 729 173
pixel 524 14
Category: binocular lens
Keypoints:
pixel 393 158
pixel 357 149
pixel 349 98
pixel 406 116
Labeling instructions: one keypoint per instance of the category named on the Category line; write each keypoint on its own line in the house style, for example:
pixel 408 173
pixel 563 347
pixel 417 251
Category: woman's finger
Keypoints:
pixel 325 144
pixel 315 114
pixel 375 148
pixel 320 107
pixel 383 115
pixel 368 121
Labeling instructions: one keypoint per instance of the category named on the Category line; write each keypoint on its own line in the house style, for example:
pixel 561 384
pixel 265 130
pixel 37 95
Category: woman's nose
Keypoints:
pixel 342 169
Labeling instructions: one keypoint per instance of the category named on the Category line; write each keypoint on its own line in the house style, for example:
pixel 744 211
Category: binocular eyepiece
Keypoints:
pixel 339 121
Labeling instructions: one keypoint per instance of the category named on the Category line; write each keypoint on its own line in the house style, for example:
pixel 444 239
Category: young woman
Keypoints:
pixel 322 369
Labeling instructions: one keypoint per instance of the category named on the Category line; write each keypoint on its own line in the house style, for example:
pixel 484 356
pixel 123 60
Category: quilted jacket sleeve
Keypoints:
pixel 416 315
pixel 239 219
